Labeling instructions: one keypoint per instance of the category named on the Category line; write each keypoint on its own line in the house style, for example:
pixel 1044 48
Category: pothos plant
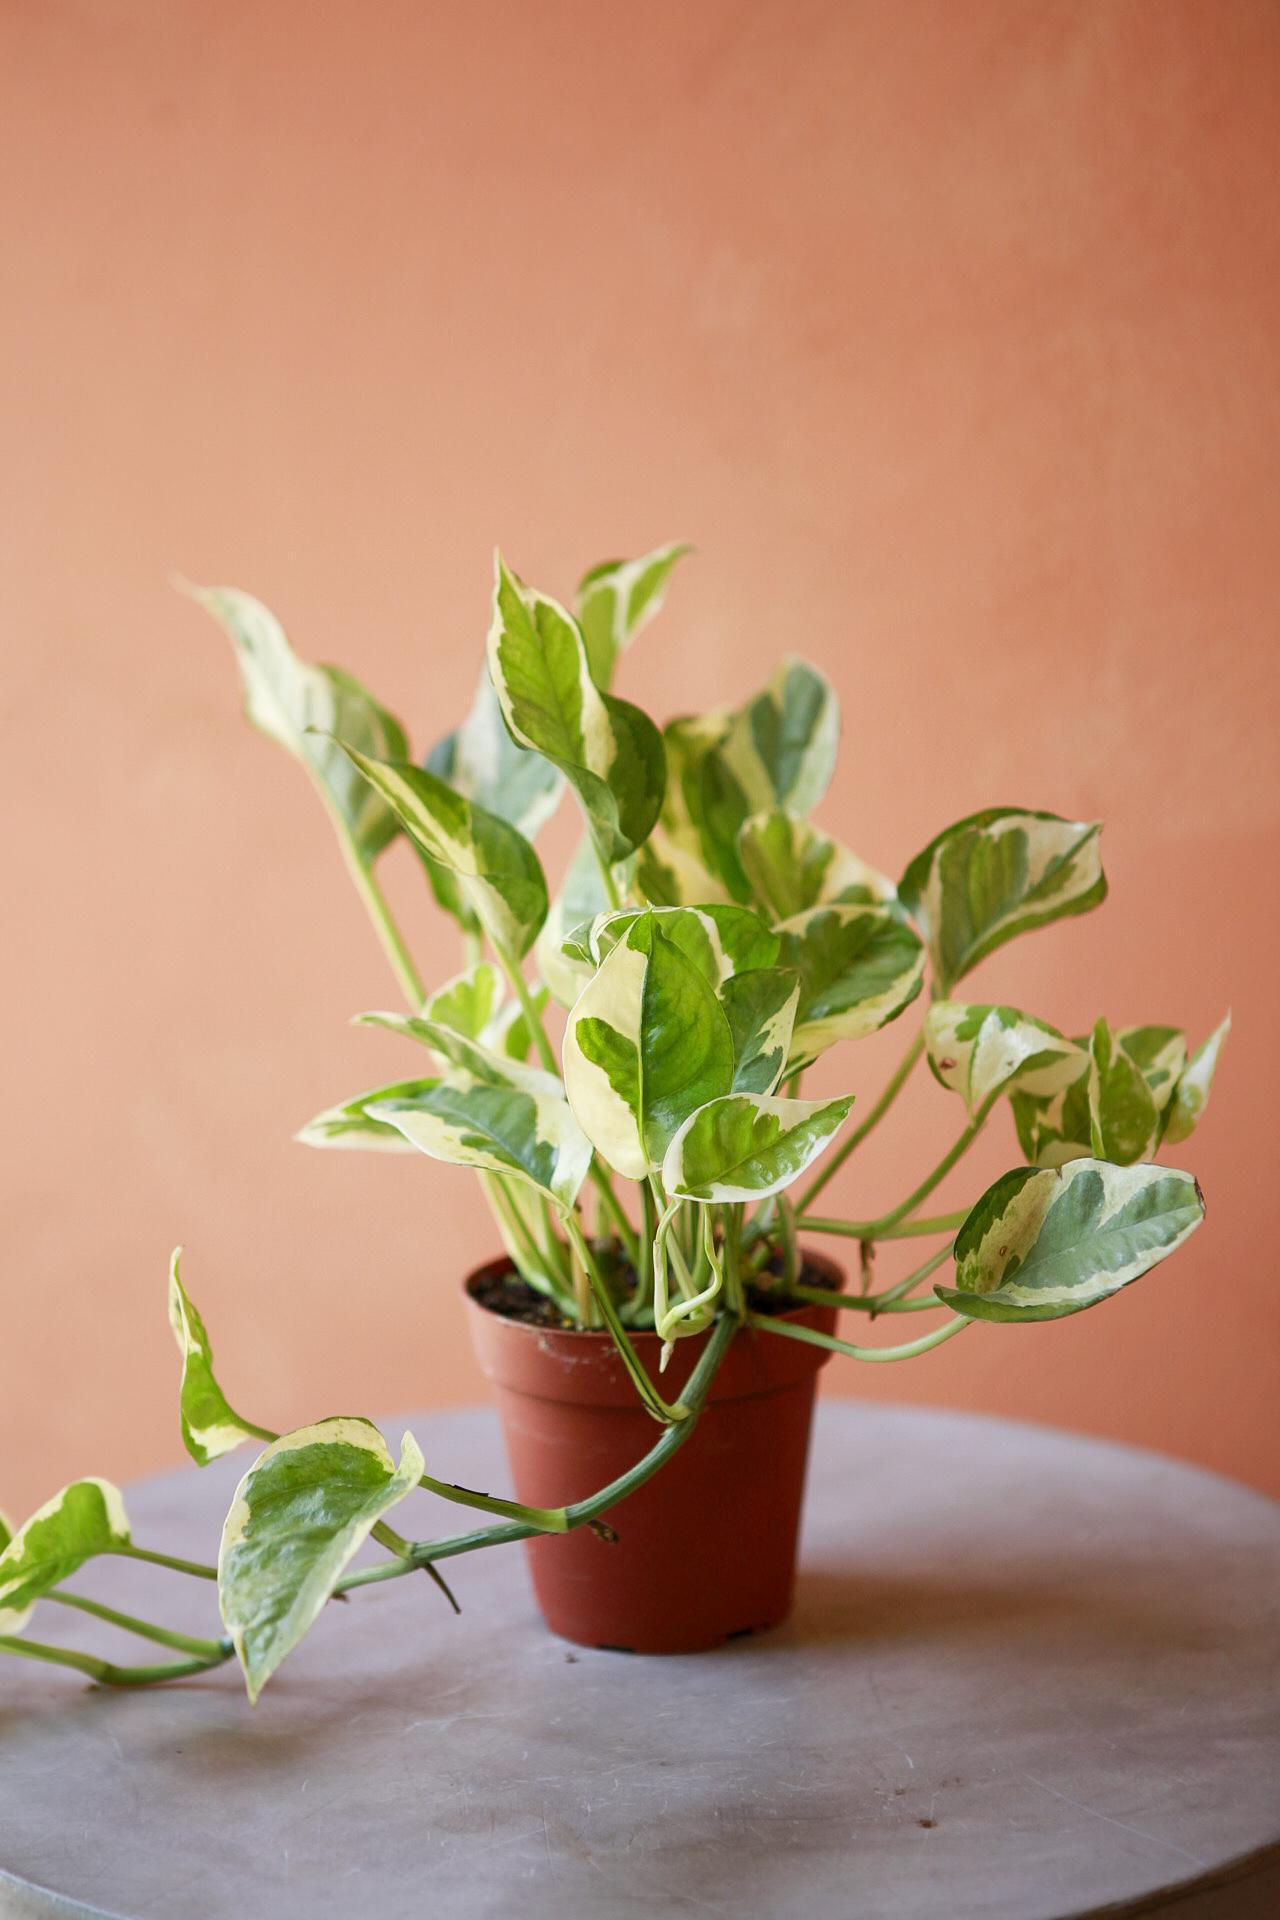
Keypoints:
pixel 708 945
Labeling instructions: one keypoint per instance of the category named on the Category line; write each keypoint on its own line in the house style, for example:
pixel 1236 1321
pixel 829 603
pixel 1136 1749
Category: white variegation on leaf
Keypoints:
pixel 981 1051
pixel 210 1425
pixel 482 762
pixel 350 1125
pixel 747 1146
pixel 1192 1092
pixel 720 940
pixel 579 901
pixel 672 873
pixel 1125 1119
pixel 997 874
pixel 303 1509
pixel 505 1129
pixel 760 1006
pixel 85 1519
pixel 1042 1244
pixel 859 968
pixel 454 1049
pixel 791 865
pixel 617 599
pixel 646 1043
pixel 609 751
pixel 469 1002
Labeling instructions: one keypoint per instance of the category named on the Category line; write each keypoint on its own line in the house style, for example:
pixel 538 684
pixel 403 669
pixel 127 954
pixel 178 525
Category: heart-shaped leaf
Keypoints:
pixel 1192 1092
pixel 747 1146
pixel 982 1051
pixel 858 966
pixel 760 1006
pixel 995 875
pixel 210 1426
pixel 619 598
pixel 531 1136
pixel 300 1513
pixel 1042 1244
pixel 482 762
pixel 84 1519
pixel 791 864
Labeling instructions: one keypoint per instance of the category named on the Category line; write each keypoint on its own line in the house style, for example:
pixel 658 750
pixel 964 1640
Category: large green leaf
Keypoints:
pixel 307 709
pixel 981 1051
pixel 995 875
pixel 497 869
pixel 720 940
pixel 482 762
pixel 532 1136
pixel 609 751
pixel 858 966
pixel 84 1519
pixel 647 1042
pixel 791 864
pixel 617 599
pixel 210 1426
pixel 300 1513
pixel 1192 1091
pixel 1039 1245
pixel 760 1006
pixel 747 1146
pixel 350 1125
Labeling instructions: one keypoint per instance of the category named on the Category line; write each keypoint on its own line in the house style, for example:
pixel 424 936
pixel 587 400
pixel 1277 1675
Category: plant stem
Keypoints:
pixel 607 881
pixel 652 1399
pixel 939 1173
pixel 515 979
pixel 626 1232
pixel 790 1331
pixel 892 1296
pixel 196 1568
pixel 384 924
pixel 181 1642
pixel 108 1675
pixel 875 1229
pixel 896 1083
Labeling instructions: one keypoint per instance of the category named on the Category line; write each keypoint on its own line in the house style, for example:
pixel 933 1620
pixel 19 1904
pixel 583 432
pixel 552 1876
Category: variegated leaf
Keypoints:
pixel 350 1125
pixel 497 869
pixel 482 762
pixel 647 1042
pixel 791 865
pixel 1124 1119
pixel 1055 1128
pixel 995 875
pixel 670 871
pixel 760 1006
pixel 453 1049
pixel 303 1509
pixel 84 1519
pixel 1192 1092
pixel 1160 1054
pixel 609 751
pixel 210 1426
pixel 578 902
pixel 509 1032
pixel 531 1136
pixel 747 1146
pixel 720 940
pixel 858 966
pixel 981 1051
pixel 1039 1245
pixel 469 1002
pixel 619 598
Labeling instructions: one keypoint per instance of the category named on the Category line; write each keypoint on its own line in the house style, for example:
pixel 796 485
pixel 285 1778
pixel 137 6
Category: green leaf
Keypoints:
pixel 298 706
pixel 981 1051
pixel 85 1519
pixel 532 1136
pixel 497 869
pixel 720 940
pixel 617 599
pixel 509 1032
pixel 998 874
pixel 453 1049
pixel 579 901
pixel 647 1042
pixel 791 865
pixel 1124 1119
pixel 747 1146
pixel 859 967
pixel 351 1125
pixel 300 1513
pixel 210 1427
pixel 469 1002
pixel 760 1006
pixel 670 871
pixel 1055 1128
pixel 482 762
pixel 1192 1092
pixel 1039 1245
pixel 609 751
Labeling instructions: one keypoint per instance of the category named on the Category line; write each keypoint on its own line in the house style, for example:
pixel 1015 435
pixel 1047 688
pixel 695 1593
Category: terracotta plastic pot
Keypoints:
pixel 706 1549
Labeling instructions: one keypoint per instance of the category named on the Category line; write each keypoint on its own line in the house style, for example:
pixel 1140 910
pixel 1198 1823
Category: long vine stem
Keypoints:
pixel 788 1330
pixel 894 1087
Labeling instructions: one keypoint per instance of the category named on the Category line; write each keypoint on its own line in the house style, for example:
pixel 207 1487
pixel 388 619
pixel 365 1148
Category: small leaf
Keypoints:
pixel 1192 1093
pixel 1124 1120
pixel 210 1427
pixel 1039 1245
pixel 469 1002
pixel 482 762
pixel 579 901
pixel 300 1513
pixel 998 874
pixel 617 599
pixel 859 968
pixel 720 940
pixel 981 1051
pixel 454 1049
pixel 747 1146
pixel 350 1124
pixel 85 1519
pixel 760 1006
pixel 532 1136
pixel 791 865
pixel 1055 1128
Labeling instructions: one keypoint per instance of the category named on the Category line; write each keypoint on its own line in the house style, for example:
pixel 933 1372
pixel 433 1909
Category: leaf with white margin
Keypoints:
pixel 530 1136
pixel 306 1505
pixel 210 1426
pixel 981 1051
pixel 670 872
pixel 1124 1119
pixel 997 874
pixel 647 1042
pixel 617 599
pixel 859 968
pixel 578 902
pixel 781 746
pixel 1055 1129
pixel 497 869
pixel 453 1049
pixel 509 1032
pixel 609 751
pixel 299 706
pixel 1160 1054
pixel 350 1125
pixel 747 1146
pixel 84 1519
pixel 720 940
pixel 791 864
pixel 1042 1244
pixel 469 1002
pixel 1192 1092
pixel 482 762
pixel 760 1006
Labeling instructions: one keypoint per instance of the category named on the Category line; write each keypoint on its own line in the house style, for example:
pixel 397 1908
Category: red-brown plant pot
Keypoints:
pixel 706 1549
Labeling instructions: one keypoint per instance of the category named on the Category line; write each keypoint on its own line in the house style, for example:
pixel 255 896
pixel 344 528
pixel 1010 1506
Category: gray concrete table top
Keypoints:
pixel 1029 1676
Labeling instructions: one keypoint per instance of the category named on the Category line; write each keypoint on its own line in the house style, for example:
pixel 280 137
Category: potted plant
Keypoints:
pixel 655 1322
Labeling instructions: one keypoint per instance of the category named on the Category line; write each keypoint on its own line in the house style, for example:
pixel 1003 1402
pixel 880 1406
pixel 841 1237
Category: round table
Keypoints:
pixel 1029 1675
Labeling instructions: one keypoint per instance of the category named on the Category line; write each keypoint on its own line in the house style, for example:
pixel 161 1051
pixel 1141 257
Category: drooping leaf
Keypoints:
pixel 350 1125
pixel 306 709
pixel 1041 1244
pixel 998 874
pixel 532 1136
pixel 300 1513
pixel 1192 1092
pixel 617 599
pixel 647 1042
pixel 469 1002
pixel 720 940
pixel 482 762
pixel 578 902
pixel 1124 1119
pixel 760 1006
pixel 791 864
pixel 858 966
pixel 608 750
pixel 497 869
pixel 453 1049
pixel 210 1426
pixel 84 1519
pixel 747 1146
pixel 981 1051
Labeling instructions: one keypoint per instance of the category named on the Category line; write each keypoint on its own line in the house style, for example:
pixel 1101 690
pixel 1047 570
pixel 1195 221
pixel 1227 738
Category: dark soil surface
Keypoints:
pixel 507 1294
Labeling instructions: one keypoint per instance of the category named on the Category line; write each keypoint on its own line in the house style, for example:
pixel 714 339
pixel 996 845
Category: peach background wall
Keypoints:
pixel 947 332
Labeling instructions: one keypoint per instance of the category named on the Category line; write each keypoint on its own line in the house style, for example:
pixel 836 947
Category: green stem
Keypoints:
pixel 939 1173
pixel 384 924
pixel 892 1090
pixel 537 1519
pixel 860 1302
pixel 875 1229
pixel 790 1331
pixel 652 1399
pixel 893 1297
pixel 108 1675
pixel 515 979
pixel 626 1232
pixel 180 1642
pixel 196 1568
pixel 607 881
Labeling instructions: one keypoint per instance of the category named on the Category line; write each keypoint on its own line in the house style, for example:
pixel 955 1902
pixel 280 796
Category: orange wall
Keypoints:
pixel 948 333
